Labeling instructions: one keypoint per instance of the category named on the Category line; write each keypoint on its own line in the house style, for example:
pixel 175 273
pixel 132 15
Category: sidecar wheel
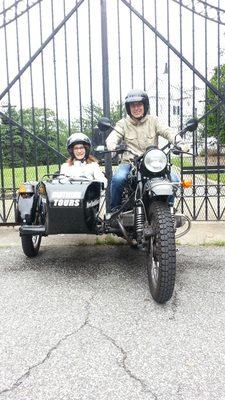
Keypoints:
pixel 31 244
pixel 161 253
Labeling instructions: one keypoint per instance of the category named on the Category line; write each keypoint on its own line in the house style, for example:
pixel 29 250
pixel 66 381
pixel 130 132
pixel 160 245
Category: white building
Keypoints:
pixel 180 102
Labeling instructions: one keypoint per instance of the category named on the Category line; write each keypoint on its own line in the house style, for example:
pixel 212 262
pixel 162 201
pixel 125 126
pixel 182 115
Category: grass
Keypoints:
pixel 109 240
pixel 176 161
pixel 187 162
pixel 20 176
pixel 214 177
pixel 218 243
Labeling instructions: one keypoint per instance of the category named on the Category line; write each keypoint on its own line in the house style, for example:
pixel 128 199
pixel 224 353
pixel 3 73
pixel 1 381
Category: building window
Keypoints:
pixel 176 110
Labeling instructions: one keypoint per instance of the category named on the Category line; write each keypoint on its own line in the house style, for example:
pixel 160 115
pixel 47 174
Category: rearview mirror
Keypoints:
pixel 104 124
pixel 192 124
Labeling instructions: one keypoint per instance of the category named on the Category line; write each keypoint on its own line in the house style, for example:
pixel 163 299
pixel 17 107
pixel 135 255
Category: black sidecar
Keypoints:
pixel 56 205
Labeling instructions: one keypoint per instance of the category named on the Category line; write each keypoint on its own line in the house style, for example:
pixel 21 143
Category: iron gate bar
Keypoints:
pixel 2 173
pixel 18 15
pixel 168 65
pixel 78 70
pixel 119 58
pixel 90 64
pixel 210 5
pixel 50 37
pixel 156 62
pixel 106 100
pixel 143 40
pixel 181 70
pixel 193 99
pixel 175 51
pixel 11 123
pixel 131 50
pixel 9 103
pixel 206 119
pixel 10 7
pixel 218 110
pixel 20 96
pixel 198 13
pixel 67 74
pixel 56 89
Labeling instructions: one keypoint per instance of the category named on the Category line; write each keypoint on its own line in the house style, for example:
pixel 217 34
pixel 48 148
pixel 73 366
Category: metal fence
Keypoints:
pixel 66 63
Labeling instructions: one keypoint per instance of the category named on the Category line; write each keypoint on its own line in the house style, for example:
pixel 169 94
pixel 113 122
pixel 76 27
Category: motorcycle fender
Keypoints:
pixel 161 189
pixel 25 206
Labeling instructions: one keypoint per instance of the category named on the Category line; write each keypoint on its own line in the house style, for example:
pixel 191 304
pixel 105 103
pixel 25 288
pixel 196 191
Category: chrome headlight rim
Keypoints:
pixel 155 161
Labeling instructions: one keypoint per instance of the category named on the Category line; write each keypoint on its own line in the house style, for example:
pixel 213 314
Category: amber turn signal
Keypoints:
pixel 186 183
pixel 22 188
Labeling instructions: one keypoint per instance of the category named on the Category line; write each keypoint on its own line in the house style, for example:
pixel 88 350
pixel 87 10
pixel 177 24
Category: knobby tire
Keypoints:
pixel 161 253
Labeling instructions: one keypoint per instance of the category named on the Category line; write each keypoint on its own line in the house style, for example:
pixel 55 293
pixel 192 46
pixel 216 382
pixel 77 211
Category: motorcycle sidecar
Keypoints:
pixel 61 205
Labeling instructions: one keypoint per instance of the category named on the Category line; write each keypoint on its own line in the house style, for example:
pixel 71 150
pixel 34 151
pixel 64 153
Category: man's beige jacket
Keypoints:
pixel 138 135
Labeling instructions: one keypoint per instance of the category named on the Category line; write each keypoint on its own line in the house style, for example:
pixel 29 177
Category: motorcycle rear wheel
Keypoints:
pixel 161 253
pixel 31 244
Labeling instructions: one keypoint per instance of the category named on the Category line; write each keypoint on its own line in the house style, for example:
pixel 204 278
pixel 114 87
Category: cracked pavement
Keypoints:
pixel 78 322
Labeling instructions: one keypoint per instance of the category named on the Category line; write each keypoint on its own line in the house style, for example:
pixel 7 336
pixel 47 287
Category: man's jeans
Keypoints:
pixel 119 180
pixel 118 183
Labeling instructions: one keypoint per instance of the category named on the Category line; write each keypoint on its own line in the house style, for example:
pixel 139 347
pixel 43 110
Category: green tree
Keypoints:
pixel 91 115
pixel 216 119
pixel 19 148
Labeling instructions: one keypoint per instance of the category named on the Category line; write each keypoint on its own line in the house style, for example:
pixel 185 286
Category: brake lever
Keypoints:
pixel 178 151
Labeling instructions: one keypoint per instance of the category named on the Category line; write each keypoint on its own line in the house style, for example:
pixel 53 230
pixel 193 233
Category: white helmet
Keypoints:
pixel 79 138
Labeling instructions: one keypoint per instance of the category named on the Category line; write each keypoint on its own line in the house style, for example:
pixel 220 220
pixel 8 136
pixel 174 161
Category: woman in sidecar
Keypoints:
pixel 81 163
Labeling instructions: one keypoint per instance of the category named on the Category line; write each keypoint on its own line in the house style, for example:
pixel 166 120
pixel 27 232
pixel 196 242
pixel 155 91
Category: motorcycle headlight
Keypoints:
pixel 155 161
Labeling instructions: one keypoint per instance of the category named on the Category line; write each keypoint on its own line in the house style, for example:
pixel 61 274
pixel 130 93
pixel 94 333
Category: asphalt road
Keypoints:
pixel 78 322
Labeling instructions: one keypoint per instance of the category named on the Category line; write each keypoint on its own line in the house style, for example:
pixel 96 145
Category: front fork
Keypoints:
pixel 142 227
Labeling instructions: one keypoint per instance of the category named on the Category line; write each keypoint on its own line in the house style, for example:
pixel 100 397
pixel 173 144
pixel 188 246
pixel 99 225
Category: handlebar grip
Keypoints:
pixel 177 150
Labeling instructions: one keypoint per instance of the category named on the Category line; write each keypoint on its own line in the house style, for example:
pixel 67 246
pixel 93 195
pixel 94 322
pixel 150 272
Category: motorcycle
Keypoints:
pixel 147 217
pixel 59 204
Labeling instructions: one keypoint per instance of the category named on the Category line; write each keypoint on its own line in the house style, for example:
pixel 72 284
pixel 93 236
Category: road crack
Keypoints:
pixel 123 364
pixel 23 377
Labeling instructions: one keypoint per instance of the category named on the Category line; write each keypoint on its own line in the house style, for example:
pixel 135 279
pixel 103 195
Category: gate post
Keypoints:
pixel 106 101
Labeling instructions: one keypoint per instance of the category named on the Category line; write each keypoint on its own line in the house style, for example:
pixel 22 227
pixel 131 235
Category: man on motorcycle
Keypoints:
pixel 138 131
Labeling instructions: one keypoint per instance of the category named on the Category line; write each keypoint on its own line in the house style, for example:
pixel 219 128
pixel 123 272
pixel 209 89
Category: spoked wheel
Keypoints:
pixel 161 253
pixel 31 244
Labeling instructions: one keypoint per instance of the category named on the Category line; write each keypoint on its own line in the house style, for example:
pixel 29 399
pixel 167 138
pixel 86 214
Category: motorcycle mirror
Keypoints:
pixel 192 124
pixel 104 124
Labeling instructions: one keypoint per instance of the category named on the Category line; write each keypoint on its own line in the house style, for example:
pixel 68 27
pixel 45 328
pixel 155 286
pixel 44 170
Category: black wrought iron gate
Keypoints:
pixel 64 63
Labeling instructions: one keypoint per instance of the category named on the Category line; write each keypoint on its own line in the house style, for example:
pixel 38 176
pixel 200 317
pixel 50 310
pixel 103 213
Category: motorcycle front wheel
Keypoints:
pixel 31 244
pixel 161 253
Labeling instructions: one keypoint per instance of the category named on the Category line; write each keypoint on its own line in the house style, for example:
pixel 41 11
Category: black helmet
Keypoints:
pixel 137 95
pixel 79 138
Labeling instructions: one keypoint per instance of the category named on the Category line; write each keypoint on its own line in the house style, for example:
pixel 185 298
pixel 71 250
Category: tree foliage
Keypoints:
pixel 216 119
pixel 90 116
pixel 18 148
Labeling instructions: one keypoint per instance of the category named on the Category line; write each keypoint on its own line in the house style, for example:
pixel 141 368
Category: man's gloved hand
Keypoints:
pixel 184 146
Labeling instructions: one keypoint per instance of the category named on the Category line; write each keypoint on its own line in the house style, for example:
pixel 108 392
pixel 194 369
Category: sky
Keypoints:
pixel 63 88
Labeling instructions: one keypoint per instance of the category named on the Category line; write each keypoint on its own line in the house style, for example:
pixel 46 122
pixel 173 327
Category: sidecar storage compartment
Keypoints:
pixel 66 206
